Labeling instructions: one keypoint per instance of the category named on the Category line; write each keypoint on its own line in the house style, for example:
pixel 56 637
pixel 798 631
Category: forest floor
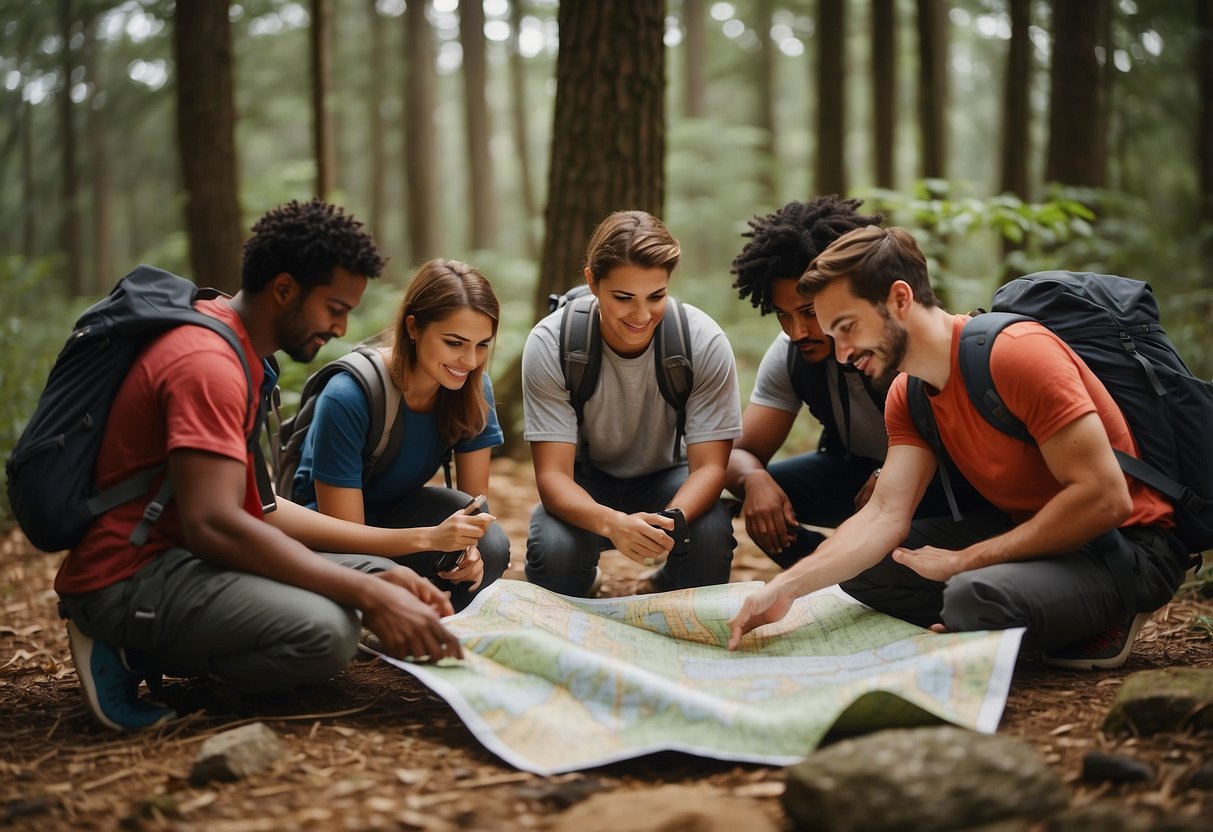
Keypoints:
pixel 375 749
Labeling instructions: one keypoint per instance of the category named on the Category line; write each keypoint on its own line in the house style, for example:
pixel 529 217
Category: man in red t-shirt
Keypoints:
pixel 1072 549
pixel 221 588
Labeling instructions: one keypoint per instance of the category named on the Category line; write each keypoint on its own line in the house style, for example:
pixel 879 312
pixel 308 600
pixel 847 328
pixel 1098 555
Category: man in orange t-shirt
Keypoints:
pixel 1072 549
pixel 221 588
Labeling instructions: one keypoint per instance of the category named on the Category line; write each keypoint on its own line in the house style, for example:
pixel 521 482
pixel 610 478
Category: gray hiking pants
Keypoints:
pixel 187 617
pixel 1059 599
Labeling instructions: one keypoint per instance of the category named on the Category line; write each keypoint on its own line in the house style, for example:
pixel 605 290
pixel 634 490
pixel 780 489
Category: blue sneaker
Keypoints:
pixel 111 689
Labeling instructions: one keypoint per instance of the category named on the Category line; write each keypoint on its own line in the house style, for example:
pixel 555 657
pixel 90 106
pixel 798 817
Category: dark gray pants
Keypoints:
pixel 188 617
pixel 1058 599
pixel 562 557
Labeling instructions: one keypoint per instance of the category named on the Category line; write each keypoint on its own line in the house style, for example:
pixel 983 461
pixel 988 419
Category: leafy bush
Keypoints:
pixel 34 323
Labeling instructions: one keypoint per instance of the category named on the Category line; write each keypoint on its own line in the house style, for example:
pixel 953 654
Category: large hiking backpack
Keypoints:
pixel 384 436
pixel 812 386
pixel 51 484
pixel 581 357
pixel 1112 324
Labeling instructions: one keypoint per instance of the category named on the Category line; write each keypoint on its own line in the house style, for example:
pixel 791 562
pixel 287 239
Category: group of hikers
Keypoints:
pixel 265 594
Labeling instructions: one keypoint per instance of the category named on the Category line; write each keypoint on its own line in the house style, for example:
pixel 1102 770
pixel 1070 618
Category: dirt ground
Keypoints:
pixel 374 749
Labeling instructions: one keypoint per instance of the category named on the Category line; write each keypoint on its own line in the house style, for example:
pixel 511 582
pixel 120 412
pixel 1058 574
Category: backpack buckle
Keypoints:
pixel 152 513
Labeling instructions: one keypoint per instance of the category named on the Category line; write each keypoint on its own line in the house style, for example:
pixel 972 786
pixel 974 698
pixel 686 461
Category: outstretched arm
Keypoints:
pixel 858 544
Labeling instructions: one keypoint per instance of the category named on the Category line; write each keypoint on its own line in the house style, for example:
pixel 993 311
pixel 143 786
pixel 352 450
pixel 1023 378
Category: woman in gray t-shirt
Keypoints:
pixel 602 484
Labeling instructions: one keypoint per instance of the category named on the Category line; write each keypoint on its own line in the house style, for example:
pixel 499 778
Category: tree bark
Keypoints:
pixel 831 126
pixel 482 190
pixel 1016 116
pixel 764 67
pixel 206 125
pixel 69 228
pixel 608 145
pixel 1078 149
pixel 321 54
pixel 375 154
pixel 420 140
pixel 1204 135
pixel 884 89
pixel 694 45
pixel 521 131
pixel 933 87
pixel 99 163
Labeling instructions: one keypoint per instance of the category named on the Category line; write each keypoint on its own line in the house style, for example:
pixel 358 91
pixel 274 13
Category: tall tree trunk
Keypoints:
pixel 933 86
pixel 375 153
pixel 521 131
pixel 206 127
pixel 420 140
pixel 482 190
pixel 28 196
pixel 321 53
pixel 608 144
pixel 1077 136
pixel 69 229
pixel 764 67
pixel 1015 113
pixel 1204 135
pixel 99 162
pixel 884 89
pixel 694 98
pixel 831 112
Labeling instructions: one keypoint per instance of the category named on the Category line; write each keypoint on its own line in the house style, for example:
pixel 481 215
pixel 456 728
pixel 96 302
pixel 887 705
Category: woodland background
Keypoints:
pixel 1009 135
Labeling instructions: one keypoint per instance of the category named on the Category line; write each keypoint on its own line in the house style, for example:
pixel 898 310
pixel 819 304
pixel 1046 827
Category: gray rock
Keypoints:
pixel 925 779
pixel 236 753
pixel 1157 701
pixel 1100 766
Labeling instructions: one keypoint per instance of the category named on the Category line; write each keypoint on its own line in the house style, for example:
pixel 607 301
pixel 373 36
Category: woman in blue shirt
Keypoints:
pixel 435 354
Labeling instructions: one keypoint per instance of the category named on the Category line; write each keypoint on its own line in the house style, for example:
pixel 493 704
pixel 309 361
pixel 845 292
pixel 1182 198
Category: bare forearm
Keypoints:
pixel 1074 517
pixel 330 534
pixel 742 464
pixel 858 544
pixel 243 543
pixel 700 492
pixel 562 497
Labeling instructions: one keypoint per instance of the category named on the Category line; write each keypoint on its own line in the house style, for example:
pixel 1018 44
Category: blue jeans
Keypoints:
pixel 1060 599
pixel 562 557
pixel 429 506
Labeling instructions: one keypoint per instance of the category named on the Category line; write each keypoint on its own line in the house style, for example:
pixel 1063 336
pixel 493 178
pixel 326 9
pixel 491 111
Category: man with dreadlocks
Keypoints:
pixel 822 487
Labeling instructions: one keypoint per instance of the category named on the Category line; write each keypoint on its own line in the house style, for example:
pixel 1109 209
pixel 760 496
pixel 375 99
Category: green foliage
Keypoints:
pixel 33 326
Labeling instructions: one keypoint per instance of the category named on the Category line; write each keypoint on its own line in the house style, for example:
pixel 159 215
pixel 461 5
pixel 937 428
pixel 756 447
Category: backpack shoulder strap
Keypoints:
pixel 581 358
pixel 386 431
pixel 675 369
pixel 976 344
pixel 924 420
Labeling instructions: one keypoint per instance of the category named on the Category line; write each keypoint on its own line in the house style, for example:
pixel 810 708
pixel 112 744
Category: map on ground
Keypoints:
pixel 552 684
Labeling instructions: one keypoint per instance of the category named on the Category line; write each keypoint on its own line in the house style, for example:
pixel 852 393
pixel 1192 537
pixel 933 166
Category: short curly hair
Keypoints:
pixel 307 240
pixel 784 243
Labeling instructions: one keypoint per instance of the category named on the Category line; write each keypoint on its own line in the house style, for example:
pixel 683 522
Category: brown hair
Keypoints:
pixel 632 238
pixel 874 258
pixel 439 288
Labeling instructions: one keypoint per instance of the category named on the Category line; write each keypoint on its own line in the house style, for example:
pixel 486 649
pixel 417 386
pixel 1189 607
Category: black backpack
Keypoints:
pixel 581 357
pixel 1112 324
pixel 812 386
pixel 51 484
pixel 384 436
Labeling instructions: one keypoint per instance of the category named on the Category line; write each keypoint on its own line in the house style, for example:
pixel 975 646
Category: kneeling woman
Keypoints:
pixel 436 354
